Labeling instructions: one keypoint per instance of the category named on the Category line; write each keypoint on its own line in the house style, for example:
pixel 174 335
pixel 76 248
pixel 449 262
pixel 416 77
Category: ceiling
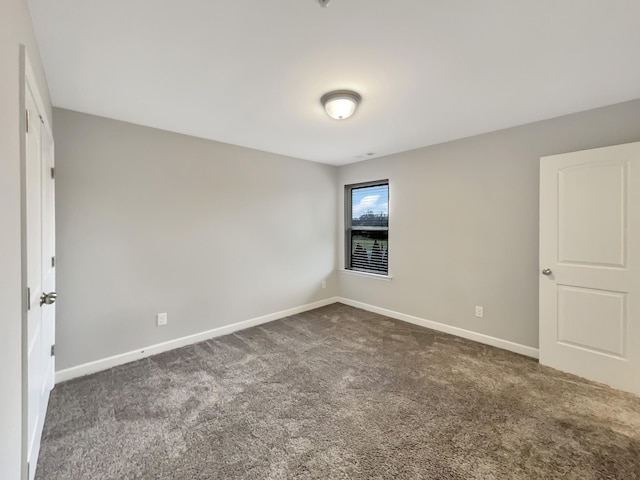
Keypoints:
pixel 251 72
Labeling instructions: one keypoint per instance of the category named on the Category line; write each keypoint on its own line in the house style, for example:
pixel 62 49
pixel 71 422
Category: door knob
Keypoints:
pixel 547 271
pixel 48 298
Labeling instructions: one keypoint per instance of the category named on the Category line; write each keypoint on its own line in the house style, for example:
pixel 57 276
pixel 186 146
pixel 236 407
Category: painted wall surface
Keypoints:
pixel 464 222
pixel 15 29
pixel 151 221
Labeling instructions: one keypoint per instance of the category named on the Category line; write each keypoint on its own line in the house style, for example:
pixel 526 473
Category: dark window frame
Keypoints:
pixel 350 229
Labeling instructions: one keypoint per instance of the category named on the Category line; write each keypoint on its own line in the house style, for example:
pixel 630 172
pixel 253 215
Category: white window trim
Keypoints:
pixel 356 273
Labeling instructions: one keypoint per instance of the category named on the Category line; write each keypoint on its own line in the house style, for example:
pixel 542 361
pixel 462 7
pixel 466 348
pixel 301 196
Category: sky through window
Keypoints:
pixel 370 199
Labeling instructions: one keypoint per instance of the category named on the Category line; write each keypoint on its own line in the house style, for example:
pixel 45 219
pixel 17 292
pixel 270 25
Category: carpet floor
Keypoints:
pixel 339 393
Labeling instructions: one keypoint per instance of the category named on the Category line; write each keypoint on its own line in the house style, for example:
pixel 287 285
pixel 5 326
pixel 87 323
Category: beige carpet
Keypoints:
pixel 339 393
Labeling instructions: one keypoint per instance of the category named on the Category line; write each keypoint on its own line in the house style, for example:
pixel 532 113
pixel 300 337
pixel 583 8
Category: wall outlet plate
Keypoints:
pixel 479 311
pixel 161 319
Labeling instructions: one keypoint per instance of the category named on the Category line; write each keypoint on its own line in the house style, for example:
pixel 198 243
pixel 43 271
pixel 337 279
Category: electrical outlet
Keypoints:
pixel 324 284
pixel 161 319
pixel 479 311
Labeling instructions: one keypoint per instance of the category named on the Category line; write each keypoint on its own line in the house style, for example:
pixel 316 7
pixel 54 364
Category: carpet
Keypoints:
pixel 339 393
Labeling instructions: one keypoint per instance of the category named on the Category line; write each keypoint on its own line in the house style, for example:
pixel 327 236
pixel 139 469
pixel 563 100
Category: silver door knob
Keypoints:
pixel 547 271
pixel 48 298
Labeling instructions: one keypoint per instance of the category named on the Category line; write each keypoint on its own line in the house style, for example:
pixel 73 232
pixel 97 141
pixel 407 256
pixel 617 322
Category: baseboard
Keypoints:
pixel 110 362
pixel 114 361
pixel 441 327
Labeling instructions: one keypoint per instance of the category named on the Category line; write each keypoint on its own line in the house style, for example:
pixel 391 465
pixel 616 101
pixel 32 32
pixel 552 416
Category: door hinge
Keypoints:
pixel 53 172
pixel 27 120
pixel 41 119
pixel 53 350
pixel 53 262
pixel 28 299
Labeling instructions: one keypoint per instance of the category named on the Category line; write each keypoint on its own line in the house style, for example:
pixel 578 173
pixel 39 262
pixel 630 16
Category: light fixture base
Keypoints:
pixel 340 104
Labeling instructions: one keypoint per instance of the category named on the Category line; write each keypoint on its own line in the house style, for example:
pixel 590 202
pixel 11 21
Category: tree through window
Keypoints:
pixel 367 227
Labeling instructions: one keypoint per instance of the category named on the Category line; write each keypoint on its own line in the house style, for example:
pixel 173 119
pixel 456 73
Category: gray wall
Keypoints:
pixel 464 222
pixel 15 29
pixel 151 221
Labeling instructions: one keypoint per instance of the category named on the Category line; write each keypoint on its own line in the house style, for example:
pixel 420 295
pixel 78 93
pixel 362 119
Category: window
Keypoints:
pixel 367 227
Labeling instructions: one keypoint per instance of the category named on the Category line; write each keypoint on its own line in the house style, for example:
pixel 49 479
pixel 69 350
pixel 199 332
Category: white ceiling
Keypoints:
pixel 251 72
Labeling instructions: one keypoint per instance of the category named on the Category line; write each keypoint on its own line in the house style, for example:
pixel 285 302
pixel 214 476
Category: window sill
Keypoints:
pixel 355 273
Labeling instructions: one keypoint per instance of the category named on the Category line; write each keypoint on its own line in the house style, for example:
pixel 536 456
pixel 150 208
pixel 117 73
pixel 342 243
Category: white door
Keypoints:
pixel 48 254
pixel 590 264
pixel 40 270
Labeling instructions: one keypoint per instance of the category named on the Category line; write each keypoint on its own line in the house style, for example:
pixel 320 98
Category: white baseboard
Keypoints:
pixel 110 362
pixel 114 361
pixel 441 327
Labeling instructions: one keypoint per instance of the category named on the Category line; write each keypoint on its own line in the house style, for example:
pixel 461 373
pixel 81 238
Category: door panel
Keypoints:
pixel 591 228
pixel 35 371
pixel 592 319
pixel 590 244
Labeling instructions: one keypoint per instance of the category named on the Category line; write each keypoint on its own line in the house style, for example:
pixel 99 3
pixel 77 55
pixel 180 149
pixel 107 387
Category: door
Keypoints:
pixel 590 264
pixel 40 226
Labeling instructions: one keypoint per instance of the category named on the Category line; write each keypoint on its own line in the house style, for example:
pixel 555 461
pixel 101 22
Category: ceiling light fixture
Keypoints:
pixel 324 3
pixel 340 104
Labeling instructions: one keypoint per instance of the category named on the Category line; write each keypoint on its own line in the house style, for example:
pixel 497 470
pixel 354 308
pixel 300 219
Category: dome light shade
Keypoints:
pixel 340 104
